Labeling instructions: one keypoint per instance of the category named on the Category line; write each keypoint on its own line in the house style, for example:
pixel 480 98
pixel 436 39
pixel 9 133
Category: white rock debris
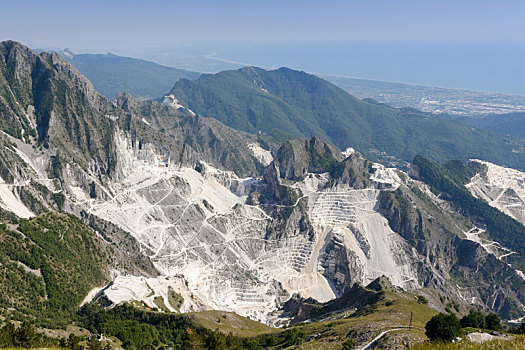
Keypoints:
pixel 196 225
pixel 9 200
pixel 172 101
pixel 503 188
pixel 481 337
pixel 349 216
pixel 348 152
pixel 212 249
pixel 262 155
pixel 491 247
pixel 151 292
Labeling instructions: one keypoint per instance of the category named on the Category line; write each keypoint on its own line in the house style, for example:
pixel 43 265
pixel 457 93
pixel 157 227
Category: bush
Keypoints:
pixel 493 322
pixel 422 300
pixel 520 329
pixel 474 319
pixel 350 343
pixel 295 337
pixel 445 327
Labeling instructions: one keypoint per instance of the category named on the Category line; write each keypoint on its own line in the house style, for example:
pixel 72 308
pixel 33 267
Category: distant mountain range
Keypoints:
pixel 284 103
pixel 111 74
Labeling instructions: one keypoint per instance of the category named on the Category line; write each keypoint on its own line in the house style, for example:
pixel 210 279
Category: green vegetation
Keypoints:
pixel 518 343
pixel 349 344
pixel 47 266
pixel 229 322
pixel 24 336
pixel 222 330
pixel 443 327
pixel 422 299
pixel 508 124
pixel 476 319
pixel 303 105
pixel 518 330
pixel 81 128
pixel 447 327
pixel 447 180
pixel 140 329
pixel 493 322
pixel 111 74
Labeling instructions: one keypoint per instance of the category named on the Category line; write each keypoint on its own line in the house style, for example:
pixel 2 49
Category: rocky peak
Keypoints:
pixel 296 158
pixel 381 283
pixel 125 101
pixel 48 102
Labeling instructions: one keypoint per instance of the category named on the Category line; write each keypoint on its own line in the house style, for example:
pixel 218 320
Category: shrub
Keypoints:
pixel 493 322
pixel 350 343
pixel 295 337
pixel 443 327
pixel 474 319
pixel 421 299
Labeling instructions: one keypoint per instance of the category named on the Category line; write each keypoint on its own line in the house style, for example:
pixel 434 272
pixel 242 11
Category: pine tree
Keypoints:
pixel 6 335
pixel 26 336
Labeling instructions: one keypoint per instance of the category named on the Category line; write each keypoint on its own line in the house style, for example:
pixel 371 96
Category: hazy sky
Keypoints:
pixel 473 44
pixel 117 24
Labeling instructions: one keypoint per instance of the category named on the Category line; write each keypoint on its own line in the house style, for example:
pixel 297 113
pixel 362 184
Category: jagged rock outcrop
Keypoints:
pixel 296 158
pixel 188 138
pixel 354 300
pixel 46 100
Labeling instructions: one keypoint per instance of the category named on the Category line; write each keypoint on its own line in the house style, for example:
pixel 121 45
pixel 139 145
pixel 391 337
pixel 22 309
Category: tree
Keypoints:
pixel 294 337
pixel 493 322
pixel 7 334
pixel 474 319
pixel 26 336
pixel 349 344
pixel 422 299
pixel 443 327
pixel 521 329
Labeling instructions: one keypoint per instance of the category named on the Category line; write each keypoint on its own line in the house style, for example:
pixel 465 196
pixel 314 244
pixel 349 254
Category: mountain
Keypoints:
pixel 51 262
pixel 143 209
pixel 189 138
pixel 512 124
pixel 111 74
pixel 284 104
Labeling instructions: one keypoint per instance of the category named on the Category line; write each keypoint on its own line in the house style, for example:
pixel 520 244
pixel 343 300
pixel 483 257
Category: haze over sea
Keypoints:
pixel 494 67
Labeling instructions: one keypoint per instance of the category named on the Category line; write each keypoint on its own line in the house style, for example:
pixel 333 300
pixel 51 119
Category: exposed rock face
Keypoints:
pixel 502 188
pixel 296 158
pixel 46 99
pixel 187 138
pixel 195 223
pixel 356 298
pixel 453 248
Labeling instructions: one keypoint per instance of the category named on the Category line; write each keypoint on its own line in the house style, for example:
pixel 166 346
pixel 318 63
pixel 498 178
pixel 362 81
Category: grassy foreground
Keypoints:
pixel 517 344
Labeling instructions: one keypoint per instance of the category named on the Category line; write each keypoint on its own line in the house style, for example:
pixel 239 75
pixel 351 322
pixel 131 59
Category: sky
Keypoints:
pixel 140 28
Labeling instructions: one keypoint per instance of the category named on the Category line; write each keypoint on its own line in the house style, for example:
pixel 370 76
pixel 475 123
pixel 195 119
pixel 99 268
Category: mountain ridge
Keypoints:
pixel 111 74
pixel 302 105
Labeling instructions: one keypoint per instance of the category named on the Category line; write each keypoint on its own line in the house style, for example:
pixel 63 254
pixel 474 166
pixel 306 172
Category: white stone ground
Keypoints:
pixel 503 188
pixel 212 249
pixel 9 200
pixel 194 225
